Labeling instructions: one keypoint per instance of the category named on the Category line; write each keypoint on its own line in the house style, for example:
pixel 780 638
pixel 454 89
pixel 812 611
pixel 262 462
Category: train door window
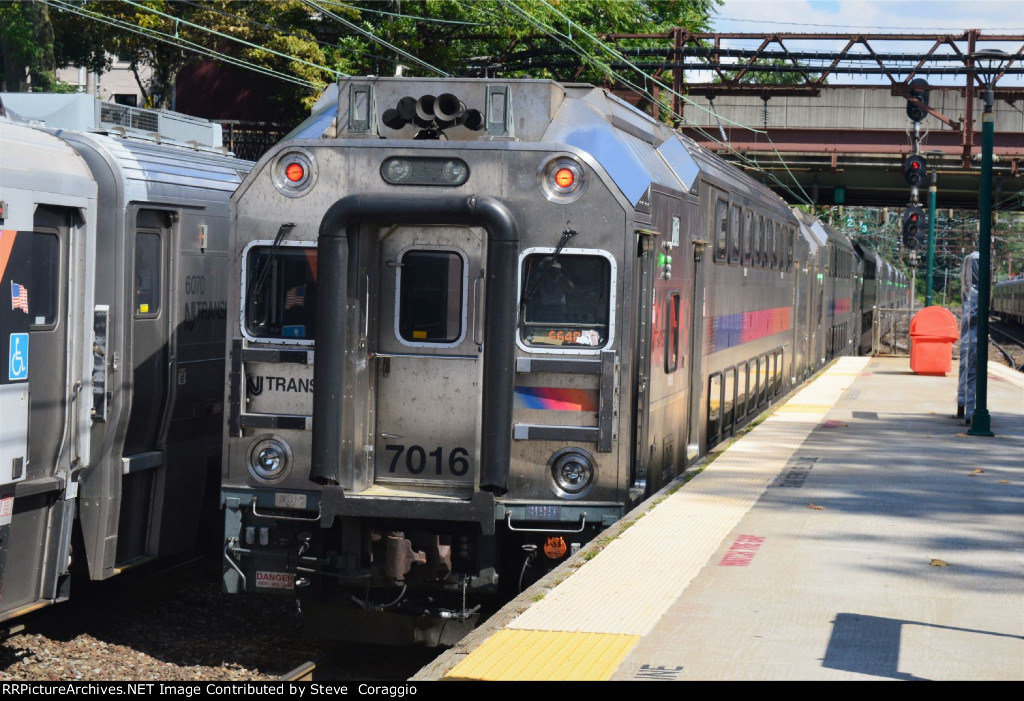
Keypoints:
pixel 714 408
pixel 672 309
pixel 568 304
pixel 762 380
pixel 742 378
pixel 45 278
pixel 280 292
pixel 759 244
pixel 147 273
pixel 748 236
pixel 721 229
pixel 735 218
pixel 728 400
pixel 430 296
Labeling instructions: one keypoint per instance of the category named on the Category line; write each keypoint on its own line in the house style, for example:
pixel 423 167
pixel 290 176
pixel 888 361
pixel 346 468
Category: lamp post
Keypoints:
pixel 989 62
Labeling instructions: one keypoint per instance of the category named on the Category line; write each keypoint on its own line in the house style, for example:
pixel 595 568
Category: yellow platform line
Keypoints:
pixel 543 655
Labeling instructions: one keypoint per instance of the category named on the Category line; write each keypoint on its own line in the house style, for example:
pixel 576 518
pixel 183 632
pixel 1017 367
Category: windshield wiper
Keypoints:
pixel 543 267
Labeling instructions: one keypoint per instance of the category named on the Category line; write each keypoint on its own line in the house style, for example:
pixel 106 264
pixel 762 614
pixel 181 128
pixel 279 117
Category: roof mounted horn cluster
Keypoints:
pixel 433 115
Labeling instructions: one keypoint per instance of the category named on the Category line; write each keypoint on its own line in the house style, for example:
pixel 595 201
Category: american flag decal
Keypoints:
pixel 19 297
pixel 296 297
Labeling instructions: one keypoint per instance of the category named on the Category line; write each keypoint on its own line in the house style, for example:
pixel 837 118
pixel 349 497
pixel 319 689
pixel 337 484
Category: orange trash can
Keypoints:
pixel 933 331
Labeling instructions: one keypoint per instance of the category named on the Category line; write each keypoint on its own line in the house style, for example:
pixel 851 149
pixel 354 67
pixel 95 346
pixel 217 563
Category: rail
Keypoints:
pixel 302 673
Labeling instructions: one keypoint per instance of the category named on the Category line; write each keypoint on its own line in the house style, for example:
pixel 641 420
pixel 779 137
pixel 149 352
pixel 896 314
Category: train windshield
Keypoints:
pixel 571 302
pixel 280 292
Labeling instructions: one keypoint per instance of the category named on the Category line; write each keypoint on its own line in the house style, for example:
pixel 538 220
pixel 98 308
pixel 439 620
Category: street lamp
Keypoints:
pixel 988 62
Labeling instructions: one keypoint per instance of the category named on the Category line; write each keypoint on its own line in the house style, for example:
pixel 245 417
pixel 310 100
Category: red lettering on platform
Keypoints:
pixel 742 551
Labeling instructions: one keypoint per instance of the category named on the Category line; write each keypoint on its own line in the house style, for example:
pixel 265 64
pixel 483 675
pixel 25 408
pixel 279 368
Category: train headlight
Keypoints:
pixel 562 180
pixel 270 459
pixel 571 472
pixel 294 172
pixel 397 170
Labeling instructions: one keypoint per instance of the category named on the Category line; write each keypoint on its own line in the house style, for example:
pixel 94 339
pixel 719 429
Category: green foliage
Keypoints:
pixel 322 39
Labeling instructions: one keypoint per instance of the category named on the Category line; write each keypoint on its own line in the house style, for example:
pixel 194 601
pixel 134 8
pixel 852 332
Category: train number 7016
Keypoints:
pixel 417 459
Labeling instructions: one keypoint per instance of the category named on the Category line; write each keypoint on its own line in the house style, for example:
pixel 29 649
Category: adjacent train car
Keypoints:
pixel 473 322
pixel 115 225
pixel 1008 300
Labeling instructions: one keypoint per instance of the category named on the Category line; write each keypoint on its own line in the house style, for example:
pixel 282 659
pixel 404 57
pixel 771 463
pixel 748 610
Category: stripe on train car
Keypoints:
pixel 733 329
pixel 544 655
pixel 556 398
pixel 840 306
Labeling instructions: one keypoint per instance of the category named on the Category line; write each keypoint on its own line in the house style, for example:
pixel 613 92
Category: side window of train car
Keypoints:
pixel 147 273
pixel 45 277
pixel 742 377
pixel 568 304
pixel 280 292
pixel 759 244
pixel 769 245
pixel 790 245
pixel 728 400
pixel 430 296
pixel 748 236
pixel 735 218
pixel 714 407
pixel 672 309
pixel 721 229
pixel 762 382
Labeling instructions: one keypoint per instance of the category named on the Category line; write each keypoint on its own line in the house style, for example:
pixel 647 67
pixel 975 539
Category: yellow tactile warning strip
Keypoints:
pixel 533 655
pixel 623 592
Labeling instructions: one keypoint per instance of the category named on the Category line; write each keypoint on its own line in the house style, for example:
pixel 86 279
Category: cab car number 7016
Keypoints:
pixel 417 459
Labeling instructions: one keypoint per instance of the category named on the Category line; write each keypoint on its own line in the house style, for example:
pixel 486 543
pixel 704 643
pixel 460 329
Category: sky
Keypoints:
pixel 851 17
pixel 875 16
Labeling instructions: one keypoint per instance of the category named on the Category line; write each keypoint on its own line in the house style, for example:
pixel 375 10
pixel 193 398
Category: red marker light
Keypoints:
pixel 564 177
pixel 295 172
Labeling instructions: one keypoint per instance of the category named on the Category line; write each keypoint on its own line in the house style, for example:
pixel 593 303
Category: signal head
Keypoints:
pixel 915 168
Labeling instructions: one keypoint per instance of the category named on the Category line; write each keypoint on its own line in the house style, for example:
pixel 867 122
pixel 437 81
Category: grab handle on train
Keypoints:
pixel 285 518
pixel 508 522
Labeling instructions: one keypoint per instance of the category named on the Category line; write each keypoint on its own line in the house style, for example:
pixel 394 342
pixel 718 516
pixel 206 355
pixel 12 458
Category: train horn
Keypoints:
pixel 393 119
pixel 425 108
pixel 449 108
pixel 407 108
pixel 473 120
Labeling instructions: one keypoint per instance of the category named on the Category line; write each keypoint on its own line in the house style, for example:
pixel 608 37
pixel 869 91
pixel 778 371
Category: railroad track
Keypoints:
pixel 1012 335
pixel 302 673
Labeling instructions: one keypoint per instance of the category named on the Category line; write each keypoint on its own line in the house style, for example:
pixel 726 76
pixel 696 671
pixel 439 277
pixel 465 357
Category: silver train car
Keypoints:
pixel 1008 300
pixel 474 322
pixel 114 247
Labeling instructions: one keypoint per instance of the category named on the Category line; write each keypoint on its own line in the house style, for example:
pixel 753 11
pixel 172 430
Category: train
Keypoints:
pixel 113 239
pixel 1008 300
pixel 474 322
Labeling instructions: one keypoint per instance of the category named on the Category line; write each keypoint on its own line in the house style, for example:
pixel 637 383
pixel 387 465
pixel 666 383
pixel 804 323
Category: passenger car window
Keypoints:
pixel 147 274
pixel 721 229
pixel 45 278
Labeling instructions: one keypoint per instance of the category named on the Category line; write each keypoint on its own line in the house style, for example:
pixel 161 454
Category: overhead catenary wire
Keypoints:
pixel 607 70
pixel 177 41
pixel 373 37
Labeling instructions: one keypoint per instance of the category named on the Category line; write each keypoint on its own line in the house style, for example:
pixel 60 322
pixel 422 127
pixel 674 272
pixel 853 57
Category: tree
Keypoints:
pixel 27 47
pixel 308 43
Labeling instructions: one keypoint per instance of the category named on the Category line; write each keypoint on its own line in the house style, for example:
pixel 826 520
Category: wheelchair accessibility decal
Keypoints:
pixel 17 366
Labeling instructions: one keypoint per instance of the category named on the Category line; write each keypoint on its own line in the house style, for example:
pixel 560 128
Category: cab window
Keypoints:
pixel 565 302
pixel 280 292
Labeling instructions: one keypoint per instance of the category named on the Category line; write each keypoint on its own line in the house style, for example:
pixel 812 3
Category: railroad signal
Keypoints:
pixel 914 170
pixel 918 91
pixel 913 227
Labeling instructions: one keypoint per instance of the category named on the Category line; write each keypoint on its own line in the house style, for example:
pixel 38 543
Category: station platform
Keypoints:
pixel 858 532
